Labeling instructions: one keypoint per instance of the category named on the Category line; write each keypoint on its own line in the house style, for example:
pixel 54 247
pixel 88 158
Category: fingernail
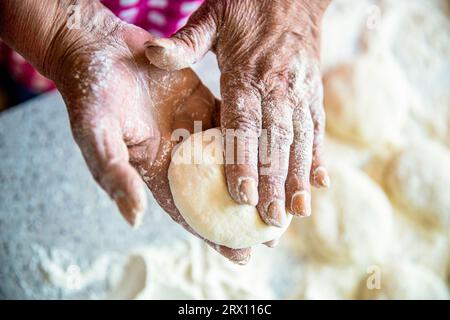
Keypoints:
pixel 276 213
pixel 132 215
pixel 301 204
pixel 248 192
pixel 272 243
pixel 138 218
pixel 149 44
pixel 321 177
pixel 155 49
pixel 159 43
pixel 244 261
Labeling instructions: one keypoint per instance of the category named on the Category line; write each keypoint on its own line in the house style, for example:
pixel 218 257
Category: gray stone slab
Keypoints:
pixel 49 200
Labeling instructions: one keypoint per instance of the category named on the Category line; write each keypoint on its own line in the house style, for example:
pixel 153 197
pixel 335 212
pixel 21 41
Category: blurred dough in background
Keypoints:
pixel 387 101
pixel 420 42
pixel 405 281
pixel 416 178
pixel 367 101
pixel 348 227
pixel 392 56
pixel 387 213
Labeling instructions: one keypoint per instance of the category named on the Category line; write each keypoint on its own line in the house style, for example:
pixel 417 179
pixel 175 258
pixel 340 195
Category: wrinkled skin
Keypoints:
pixel 123 111
pixel 268 54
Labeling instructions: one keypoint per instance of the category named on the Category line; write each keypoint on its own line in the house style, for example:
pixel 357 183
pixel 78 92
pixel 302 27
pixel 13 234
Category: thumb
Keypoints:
pixel 187 45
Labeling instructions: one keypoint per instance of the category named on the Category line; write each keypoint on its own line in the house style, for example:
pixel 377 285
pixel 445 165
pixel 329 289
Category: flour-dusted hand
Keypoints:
pixel 268 54
pixel 122 110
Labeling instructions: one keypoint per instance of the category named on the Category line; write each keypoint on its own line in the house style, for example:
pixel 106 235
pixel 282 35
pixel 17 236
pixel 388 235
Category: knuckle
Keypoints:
pixel 241 106
pixel 245 122
pixel 282 131
pixel 303 118
pixel 277 79
pixel 318 115
pixel 236 82
pixel 277 119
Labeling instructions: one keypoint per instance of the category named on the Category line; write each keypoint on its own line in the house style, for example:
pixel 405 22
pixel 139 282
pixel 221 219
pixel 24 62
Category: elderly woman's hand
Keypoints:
pixel 122 110
pixel 268 54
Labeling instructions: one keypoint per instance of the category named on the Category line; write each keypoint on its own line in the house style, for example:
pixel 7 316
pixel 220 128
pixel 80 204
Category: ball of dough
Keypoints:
pixel 403 281
pixel 351 222
pixel 418 179
pixel 367 101
pixel 197 182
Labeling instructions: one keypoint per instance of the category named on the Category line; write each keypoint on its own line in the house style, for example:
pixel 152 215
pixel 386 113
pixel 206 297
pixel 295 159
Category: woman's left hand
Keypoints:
pixel 123 113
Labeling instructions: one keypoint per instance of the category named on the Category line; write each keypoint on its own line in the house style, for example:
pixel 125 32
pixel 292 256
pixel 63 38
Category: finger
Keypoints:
pixel 187 45
pixel 319 173
pixel 274 144
pixel 240 121
pixel 101 143
pixel 239 256
pixel 272 243
pixel 298 194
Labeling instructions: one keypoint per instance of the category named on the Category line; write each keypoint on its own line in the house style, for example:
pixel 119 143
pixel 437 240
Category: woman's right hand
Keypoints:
pixel 272 115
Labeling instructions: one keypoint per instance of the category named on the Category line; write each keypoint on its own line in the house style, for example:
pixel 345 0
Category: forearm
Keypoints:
pixel 40 30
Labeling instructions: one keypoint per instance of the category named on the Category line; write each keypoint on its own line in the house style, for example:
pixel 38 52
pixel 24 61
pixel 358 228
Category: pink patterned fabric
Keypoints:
pixel 160 17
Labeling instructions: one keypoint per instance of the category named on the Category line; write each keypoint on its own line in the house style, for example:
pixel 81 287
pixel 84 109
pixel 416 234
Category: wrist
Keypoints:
pixel 27 26
pixel 48 33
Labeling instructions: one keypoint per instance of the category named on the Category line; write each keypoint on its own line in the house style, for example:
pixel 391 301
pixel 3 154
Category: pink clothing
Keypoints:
pixel 160 17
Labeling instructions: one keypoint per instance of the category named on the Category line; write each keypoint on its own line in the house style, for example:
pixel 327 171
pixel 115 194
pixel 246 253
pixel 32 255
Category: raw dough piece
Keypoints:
pixel 367 101
pixel 405 281
pixel 351 222
pixel 418 179
pixel 197 182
